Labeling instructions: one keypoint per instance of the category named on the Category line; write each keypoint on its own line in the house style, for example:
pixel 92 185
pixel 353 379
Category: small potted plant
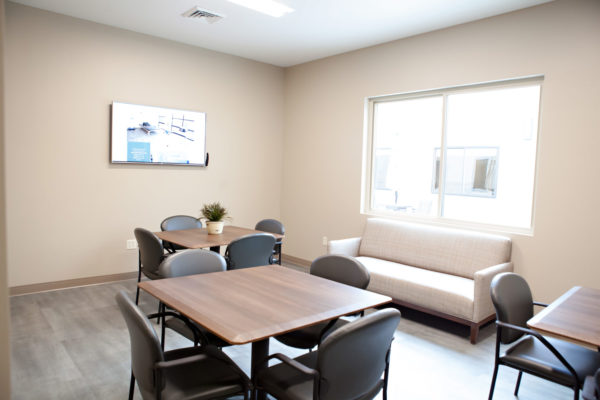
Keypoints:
pixel 214 214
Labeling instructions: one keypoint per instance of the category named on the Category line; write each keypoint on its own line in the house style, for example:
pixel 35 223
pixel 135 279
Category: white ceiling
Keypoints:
pixel 317 29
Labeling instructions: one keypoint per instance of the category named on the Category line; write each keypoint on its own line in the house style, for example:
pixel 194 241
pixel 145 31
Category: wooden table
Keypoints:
pixel 574 316
pixel 199 238
pixel 253 304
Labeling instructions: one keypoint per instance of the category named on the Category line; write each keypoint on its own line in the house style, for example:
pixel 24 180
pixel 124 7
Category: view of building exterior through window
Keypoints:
pixel 465 154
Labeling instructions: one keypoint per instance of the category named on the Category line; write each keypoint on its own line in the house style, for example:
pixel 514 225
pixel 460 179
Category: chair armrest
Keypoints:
pixel 181 361
pixel 347 247
pixel 203 353
pixel 292 363
pixel 482 301
pixel 545 342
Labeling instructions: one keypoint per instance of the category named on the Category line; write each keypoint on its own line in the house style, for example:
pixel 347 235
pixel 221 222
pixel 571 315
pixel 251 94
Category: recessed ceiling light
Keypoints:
pixel 269 7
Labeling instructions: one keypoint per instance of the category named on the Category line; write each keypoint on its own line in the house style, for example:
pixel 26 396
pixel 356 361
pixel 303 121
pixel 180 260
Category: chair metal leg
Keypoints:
pixel 137 293
pixel 494 375
pixel 518 383
pixel 386 374
pixel 161 310
pixel 576 393
pixel 278 250
pixel 131 386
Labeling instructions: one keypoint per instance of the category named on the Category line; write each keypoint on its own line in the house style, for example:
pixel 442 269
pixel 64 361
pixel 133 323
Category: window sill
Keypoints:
pixel 451 223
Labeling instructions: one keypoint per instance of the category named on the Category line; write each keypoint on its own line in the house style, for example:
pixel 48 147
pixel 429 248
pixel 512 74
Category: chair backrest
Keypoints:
pixel 250 251
pixel 270 225
pixel 352 359
pixel 513 302
pixel 145 346
pixel 151 248
pixel 342 269
pixel 191 262
pixel 448 250
pixel 177 222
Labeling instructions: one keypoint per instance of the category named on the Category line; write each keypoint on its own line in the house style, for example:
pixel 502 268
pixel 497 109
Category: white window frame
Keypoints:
pixel 368 159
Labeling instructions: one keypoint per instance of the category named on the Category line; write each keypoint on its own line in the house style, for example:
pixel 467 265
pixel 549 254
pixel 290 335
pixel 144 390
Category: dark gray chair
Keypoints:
pixel 196 372
pixel 555 360
pixel 151 255
pixel 273 226
pixel 349 364
pixel 339 268
pixel 175 223
pixel 250 251
pixel 190 262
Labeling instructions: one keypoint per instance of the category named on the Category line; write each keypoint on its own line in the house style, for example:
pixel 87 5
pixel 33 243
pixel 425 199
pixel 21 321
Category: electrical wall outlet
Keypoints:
pixel 324 240
pixel 131 244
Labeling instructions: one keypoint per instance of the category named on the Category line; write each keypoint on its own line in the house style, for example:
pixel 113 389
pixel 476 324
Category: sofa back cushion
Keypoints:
pixel 451 251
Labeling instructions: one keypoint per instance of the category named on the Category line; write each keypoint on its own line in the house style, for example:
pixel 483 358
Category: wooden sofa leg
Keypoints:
pixel 474 333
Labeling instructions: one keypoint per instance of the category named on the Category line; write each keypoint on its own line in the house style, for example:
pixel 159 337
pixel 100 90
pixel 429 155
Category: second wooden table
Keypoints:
pixel 199 238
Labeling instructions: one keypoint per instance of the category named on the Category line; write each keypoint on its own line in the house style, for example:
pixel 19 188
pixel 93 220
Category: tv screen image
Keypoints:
pixel 154 135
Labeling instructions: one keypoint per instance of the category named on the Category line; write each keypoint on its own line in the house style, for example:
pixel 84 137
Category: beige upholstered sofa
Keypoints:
pixel 445 272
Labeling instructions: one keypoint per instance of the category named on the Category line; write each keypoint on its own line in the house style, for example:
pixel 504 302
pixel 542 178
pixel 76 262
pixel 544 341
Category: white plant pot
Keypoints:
pixel 214 227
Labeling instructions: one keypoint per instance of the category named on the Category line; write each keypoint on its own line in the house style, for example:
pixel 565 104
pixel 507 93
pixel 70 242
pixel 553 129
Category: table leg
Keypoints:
pixel 260 351
pixel 216 249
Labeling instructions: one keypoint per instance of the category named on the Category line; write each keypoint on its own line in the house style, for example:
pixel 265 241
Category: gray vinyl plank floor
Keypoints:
pixel 73 344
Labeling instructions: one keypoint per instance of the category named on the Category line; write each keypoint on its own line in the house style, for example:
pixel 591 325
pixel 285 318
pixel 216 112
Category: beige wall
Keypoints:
pixel 4 320
pixel 324 130
pixel 69 210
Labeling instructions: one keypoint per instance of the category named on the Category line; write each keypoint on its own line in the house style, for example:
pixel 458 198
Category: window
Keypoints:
pixel 465 153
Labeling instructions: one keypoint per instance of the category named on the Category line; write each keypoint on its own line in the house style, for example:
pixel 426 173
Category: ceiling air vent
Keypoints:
pixel 208 16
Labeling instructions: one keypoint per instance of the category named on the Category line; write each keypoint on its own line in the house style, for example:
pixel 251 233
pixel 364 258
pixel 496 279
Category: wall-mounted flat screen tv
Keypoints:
pixel 154 135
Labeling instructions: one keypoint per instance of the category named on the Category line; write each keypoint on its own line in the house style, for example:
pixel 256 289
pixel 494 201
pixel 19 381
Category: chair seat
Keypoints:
pixel 450 294
pixel 530 353
pixel 206 379
pixel 307 338
pixel 285 382
pixel 180 327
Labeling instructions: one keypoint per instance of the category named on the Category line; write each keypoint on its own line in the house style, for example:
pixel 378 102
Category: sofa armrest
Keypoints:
pixel 347 247
pixel 482 301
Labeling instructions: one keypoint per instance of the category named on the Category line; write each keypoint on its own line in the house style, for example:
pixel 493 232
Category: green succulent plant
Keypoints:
pixel 214 212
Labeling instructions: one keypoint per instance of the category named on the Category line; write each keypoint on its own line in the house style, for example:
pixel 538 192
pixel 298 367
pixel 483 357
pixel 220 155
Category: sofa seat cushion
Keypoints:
pixel 437 291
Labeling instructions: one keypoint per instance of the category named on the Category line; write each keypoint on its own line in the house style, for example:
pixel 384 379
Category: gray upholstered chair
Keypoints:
pixel 250 251
pixel 591 387
pixel 342 269
pixel 555 360
pixel 349 364
pixel 273 226
pixel 178 222
pixel 195 372
pixel 190 262
pixel 151 255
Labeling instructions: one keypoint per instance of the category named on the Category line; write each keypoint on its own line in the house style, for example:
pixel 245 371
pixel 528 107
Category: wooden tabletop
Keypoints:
pixel 252 304
pixel 199 238
pixel 574 316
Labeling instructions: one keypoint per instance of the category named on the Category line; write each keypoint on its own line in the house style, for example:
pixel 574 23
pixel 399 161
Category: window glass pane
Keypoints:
pixel 405 136
pixel 491 140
